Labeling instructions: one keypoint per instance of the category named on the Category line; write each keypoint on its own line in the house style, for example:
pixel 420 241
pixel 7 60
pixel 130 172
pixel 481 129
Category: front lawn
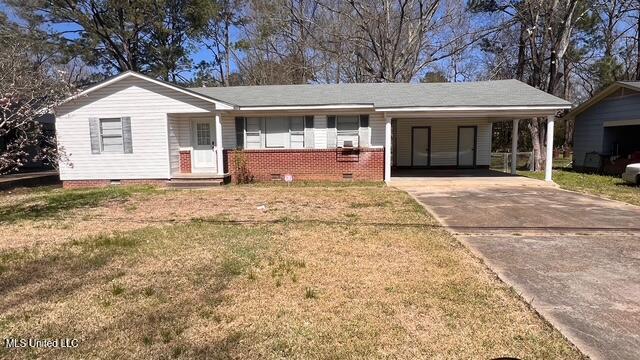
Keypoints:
pixel 606 186
pixel 252 272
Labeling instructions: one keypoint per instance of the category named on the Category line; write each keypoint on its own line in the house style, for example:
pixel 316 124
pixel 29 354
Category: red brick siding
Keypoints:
pixel 312 164
pixel 185 162
pixel 77 184
pixel 152 182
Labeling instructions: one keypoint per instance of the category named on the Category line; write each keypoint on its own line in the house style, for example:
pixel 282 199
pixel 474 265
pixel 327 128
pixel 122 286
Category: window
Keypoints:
pixel 111 135
pixel 274 132
pixel 203 134
pixel 296 132
pixel 277 132
pixel 347 130
pixel 253 133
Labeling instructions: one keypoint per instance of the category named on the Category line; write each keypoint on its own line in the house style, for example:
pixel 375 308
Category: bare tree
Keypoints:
pixel 392 40
pixel 545 29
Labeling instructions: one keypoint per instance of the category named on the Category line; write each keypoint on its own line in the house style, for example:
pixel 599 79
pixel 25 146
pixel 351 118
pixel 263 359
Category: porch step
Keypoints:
pixel 194 183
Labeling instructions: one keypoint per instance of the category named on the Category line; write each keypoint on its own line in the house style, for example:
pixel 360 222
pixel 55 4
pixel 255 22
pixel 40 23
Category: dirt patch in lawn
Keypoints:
pixel 260 272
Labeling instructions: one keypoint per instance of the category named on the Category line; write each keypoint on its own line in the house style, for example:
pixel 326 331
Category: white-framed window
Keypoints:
pixel 347 130
pixel 296 132
pixel 203 134
pixel 276 133
pixel 111 137
pixel 284 132
pixel 253 131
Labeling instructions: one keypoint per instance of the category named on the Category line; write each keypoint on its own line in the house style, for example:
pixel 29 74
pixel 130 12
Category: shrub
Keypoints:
pixel 243 175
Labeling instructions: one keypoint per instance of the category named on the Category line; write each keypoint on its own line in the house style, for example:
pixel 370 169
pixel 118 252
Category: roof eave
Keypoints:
pixel 499 111
pixel 306 107
pixel 220 105
pixel 599 97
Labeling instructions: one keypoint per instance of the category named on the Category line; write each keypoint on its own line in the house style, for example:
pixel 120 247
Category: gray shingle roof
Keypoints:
pixel 633 85
pixel 388 95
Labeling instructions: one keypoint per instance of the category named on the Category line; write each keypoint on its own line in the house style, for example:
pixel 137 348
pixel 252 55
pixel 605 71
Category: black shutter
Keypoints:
pixel 331 121
pixel 239 132
pixel 364 121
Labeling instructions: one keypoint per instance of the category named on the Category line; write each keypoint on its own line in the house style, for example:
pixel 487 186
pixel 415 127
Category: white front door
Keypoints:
pixel 467 146
pixel 203 158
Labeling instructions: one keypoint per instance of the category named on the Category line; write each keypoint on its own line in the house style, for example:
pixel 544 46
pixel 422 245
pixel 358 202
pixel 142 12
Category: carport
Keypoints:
pixel 455 141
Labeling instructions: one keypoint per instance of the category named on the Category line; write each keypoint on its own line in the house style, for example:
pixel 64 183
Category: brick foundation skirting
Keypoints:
pixel 311 164
pixel 77 184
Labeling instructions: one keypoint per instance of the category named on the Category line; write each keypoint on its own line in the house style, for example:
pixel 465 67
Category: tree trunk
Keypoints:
pixel 566 94
pixel 638 46
pixel 568 134
pixel 227 49
pixel 521 53
pixel 534 129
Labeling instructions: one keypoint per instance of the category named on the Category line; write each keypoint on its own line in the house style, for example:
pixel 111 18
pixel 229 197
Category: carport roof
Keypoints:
pixel 498 93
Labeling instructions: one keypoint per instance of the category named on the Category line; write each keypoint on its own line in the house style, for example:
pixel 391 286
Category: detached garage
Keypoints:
pixel 607 129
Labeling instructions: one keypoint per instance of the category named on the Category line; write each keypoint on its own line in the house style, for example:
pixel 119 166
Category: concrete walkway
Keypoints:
pixel 575 258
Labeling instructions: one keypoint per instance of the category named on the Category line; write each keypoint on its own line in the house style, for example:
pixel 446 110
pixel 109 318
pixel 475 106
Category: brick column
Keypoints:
pixel 185 161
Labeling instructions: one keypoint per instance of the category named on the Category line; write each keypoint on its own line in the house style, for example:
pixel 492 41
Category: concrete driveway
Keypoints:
pixel 575 258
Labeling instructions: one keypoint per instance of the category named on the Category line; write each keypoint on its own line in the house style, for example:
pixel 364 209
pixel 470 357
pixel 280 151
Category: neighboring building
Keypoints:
pixel 607 129
pixel 48 129
pixel 132 128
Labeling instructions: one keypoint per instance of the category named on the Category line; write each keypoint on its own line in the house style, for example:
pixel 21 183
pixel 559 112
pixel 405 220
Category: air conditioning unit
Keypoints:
pixel 347 144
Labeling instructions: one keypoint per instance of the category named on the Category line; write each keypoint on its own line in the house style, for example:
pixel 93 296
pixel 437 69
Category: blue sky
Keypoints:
pixel 200 54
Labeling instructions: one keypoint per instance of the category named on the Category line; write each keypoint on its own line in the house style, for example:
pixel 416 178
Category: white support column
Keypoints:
pixel 387 148
pixel 514 146
pixel 219 154
pixel 548 166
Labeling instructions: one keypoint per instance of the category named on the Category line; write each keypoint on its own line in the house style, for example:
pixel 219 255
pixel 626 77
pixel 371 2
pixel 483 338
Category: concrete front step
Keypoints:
pixel 194 183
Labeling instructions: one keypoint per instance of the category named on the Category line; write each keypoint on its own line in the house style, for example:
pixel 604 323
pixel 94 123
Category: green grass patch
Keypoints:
pixel 610 187
pixel 51 204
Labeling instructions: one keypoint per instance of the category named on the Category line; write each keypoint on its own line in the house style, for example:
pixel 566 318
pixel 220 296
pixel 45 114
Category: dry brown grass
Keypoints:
pixel 322 272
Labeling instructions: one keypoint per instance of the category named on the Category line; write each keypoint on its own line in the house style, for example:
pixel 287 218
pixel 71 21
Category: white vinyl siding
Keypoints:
pixel 228 131
pixel 147 105
pixel 444 140
pixel 111 135
pixel 376 124
pixel 180 136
